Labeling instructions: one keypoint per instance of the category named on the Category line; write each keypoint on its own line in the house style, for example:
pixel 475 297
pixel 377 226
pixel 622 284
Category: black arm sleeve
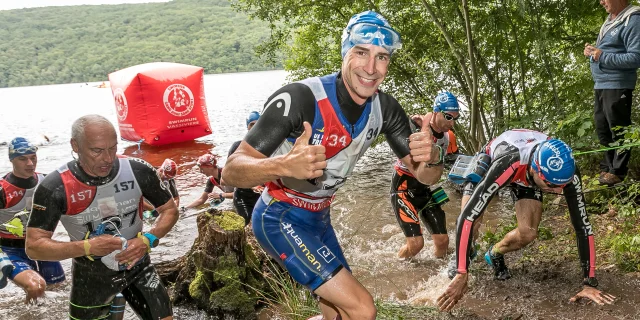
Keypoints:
pixel 499 174
pixel 209 187
pixel 150 184
pixel 584 232
pixel 49 203
pixel 2 198
pixel 173 188
pixel 233 148
pixel 282 117
pixel 395 125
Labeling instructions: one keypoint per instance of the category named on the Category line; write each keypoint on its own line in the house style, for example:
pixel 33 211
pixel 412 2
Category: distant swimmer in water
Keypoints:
pixel 208 165
pixel 168 171
pixel 529 162
pixel 16 196
pixel 412 200
pixel 244 199
pixel 305 146
pixel 97 198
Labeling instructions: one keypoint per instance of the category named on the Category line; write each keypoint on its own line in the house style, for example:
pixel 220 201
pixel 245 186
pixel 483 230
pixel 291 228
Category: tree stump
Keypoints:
pixel 221 273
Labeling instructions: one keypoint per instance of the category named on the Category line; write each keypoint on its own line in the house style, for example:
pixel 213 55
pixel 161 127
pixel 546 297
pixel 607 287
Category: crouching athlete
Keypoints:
pixel 529 162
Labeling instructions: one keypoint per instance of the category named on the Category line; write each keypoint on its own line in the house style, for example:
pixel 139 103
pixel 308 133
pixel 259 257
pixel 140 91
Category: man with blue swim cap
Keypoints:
pixel 304 147
pixel 16 197
pixel 413 201
pixel 529 162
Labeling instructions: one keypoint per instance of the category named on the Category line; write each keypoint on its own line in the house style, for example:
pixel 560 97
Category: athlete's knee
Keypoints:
pixel 366 308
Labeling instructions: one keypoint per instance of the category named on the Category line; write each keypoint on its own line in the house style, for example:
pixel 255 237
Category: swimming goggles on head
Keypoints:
pixel 23 150
pixel 368 33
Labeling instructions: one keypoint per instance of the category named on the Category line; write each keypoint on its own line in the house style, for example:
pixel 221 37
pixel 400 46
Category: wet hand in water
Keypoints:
pixel 214 196
pixel 594 295
pixel 421 143
pixel 104 244
pixel 457 288
pixel 136 249
pixel 305 161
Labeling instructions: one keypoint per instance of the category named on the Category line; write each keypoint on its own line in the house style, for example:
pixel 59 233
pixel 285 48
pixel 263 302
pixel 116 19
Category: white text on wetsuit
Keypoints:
pixel 289 230
pixel 482 202
pixel 581 206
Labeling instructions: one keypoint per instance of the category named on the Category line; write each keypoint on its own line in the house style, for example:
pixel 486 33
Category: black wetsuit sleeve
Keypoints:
pixel 501 172
pixel 49 203
pixel 209 187
pixel 584 231
pixel 234 147
pixel 153 189
pixel 3 196
pixel 395 125
pixel 173 188
pixel 282 117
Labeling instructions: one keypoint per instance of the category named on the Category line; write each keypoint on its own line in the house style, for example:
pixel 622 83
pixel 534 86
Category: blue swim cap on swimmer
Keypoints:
pixel 370 28
pixel 21 147
pixel 253 116
pixel 553 160
pixel 446 101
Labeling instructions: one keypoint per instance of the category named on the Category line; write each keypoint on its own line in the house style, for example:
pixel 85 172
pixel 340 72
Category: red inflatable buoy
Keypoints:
pixel 160 103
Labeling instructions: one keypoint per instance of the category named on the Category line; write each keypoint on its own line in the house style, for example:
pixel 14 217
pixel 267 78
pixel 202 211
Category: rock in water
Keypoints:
pixel 221 273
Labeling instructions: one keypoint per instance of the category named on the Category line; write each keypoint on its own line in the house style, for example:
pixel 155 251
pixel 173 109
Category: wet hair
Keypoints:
pixel 77 128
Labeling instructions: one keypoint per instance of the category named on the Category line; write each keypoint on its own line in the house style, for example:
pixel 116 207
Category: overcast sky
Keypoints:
pixel 19 4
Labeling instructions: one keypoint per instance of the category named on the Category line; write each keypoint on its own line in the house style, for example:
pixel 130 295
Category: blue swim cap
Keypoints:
pixel 20 147
pixel 446 101
pixel 370 28
pixel 553 161
pixel 253 116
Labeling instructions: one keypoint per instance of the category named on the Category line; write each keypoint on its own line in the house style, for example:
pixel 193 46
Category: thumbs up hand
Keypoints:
pixel 422 144
pixel 305 161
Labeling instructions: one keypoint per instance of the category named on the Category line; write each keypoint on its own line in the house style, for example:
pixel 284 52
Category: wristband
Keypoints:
pixel 153 240
pixel 591 282
pixel 145 240
pixel 87 249
pixel 440 158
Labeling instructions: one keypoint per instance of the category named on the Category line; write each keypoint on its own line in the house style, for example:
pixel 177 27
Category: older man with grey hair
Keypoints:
pixel 97 198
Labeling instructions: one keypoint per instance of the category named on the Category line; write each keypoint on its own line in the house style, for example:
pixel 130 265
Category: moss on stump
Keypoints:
pixel 221 271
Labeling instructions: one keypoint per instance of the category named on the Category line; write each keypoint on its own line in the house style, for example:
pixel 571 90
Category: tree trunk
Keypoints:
pixel 221 273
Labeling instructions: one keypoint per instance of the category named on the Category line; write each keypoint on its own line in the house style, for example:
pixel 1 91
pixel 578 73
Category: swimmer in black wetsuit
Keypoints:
pixel 208 165
pixel 412 200
pixel 529 162
pixel 16 196
pixel 244 199
pixel 97 199
pixel 168 171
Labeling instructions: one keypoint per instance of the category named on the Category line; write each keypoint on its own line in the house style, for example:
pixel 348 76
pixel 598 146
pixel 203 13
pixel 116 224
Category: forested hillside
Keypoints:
pixel 85 43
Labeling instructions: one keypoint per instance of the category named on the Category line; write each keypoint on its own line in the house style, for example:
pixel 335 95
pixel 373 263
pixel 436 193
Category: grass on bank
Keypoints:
pixel 286 299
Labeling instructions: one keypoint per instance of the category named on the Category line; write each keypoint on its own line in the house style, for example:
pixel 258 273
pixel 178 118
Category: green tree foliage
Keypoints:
pixel 515 63
pixel 86 43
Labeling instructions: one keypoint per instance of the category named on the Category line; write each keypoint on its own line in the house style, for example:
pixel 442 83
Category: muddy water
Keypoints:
pixel 362 214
